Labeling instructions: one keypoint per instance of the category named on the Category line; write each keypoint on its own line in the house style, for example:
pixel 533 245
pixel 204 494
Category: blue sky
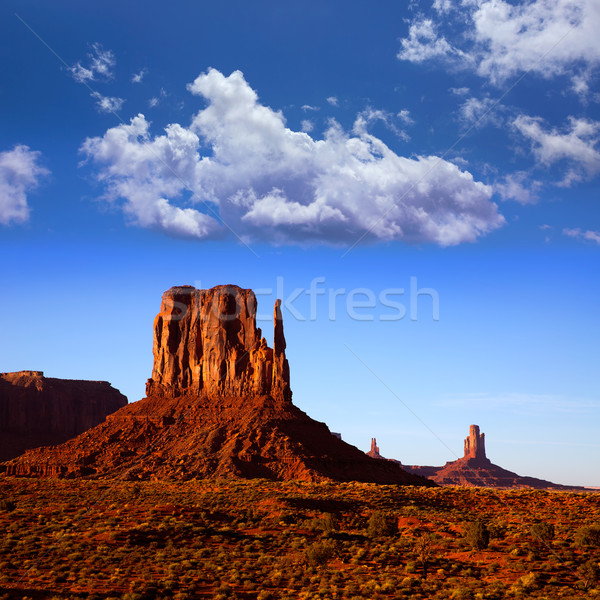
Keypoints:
pixel 356 150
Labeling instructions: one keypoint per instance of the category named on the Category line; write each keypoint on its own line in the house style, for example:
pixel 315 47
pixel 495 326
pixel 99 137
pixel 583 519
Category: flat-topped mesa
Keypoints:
pixel 206 341
pixel 475 444
pixel 39 411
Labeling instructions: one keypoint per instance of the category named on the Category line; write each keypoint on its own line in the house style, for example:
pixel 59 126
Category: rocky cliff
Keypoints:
pixel 218 405
pixel 374 451
pixel 37 410
pixel 475 444
pixel 206 342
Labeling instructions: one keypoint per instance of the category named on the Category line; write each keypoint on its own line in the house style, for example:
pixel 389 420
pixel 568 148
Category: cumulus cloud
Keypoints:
pixel 577 233
pixel 238 165
pixel 548 37
pixel 576 145
pixel 100 63
pixel 19 173
pixel 333 101
pixel 107 104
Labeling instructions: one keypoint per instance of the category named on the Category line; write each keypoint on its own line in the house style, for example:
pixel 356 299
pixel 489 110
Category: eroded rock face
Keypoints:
pixel 475 444
pixel 206 341
pixel 475 469
pixel 37 410
pixel 218 405
pixel 374 451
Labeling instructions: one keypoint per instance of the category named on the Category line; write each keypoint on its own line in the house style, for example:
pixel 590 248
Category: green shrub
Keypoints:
pixel 588 536
pixel 423 548
pixel 319 553
pixel 477 535
pixel 589 572
pixel 542 532
pixel 382 525
pixel 327 523
pixel 526 582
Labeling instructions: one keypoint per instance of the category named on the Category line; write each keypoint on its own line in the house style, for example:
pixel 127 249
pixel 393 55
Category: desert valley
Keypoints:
pixel 216 485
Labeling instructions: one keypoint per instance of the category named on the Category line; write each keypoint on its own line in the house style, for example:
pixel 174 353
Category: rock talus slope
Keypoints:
pixel 218 405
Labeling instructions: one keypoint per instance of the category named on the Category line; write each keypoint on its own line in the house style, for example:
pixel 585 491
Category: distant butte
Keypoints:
pixel 40 411
pixel 218 405
pixel 474 469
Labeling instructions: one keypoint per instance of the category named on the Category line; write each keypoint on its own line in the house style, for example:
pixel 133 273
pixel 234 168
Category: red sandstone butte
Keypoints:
pixel 218 405
pixel 474 469
pixel 38 411
pixel 374 451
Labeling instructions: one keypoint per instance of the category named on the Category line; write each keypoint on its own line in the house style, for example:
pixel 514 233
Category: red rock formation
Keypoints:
pixel 474 469
pixel 374 451
pixel 37 410
pixel 218 405
pixel 475 444
pixel 206 341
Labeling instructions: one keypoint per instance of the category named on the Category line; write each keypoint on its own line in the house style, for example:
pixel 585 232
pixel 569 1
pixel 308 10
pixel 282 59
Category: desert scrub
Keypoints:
pixel 320 553
pixel 542 532
pixel 382 524
pixel 327 523
pixel 477 535
pixel 423 549
pixel 588 536
pixel 589 574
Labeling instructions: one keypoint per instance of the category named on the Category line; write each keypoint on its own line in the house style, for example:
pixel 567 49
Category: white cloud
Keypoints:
pixel 502 39
pixel 577 233
pixel 575 144
pixel 108 104
pixel 480 112
pixel 269 182
pixel 423 43
pixel 308 107
pixel 100 63
pixel 307 125
pixel 145 172
pixel 581 84
pixel 156 100
pixel 19 173
pixel 404 116
pixel 519 187
pixel 443 6
pixel 370 115
pixel 547 36
pixel 139 76
pixel 461 91
pixel 333 101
